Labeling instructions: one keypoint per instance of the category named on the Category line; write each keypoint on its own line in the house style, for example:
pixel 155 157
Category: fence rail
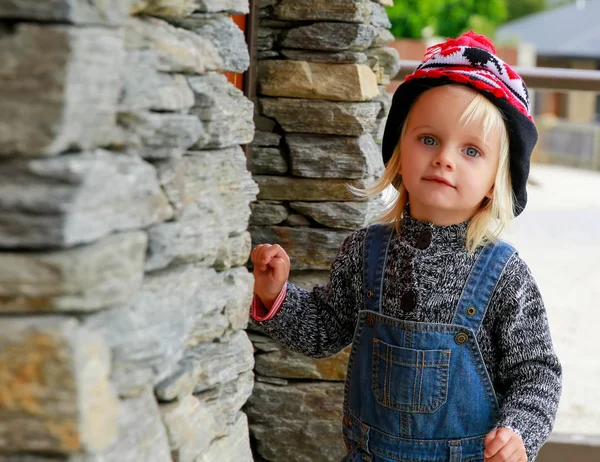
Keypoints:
pixel 547 78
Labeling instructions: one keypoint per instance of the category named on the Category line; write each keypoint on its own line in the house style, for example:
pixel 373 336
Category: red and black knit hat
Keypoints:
pixel 471 60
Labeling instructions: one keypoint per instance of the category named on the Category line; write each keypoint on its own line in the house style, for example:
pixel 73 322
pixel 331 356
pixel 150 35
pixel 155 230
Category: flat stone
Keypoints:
pixel 142 435
pixel 234 446
pixel 268 213
pixel 297 412
pixel 308 248
pixel 234 252
pixel 226 37
pixel 55 384
pixel 330 36
pixel 382 37
pixel 266 38
pixel 268 161
pixel 70 101
pixel 273 360
pixel 301 79
pixel 385 2
pixel 341 215
pixel 387 58
pixel 169 9
pixel 179 384
pixel 177 50
pixel 281 188
pixel 179 306
pixel 80 12
pixel 379 17
pixel 144 88
pixel 154 135
pixel 262 138
pixel 295 219
pixel 267 54
pixel 63 201
pixel 225 6
pixel 325 117
pixel 341 57
pixel 324 10
pixel 325 156
pixel 103 274
pixel 197 424
pixel 225 113
pixel 194 238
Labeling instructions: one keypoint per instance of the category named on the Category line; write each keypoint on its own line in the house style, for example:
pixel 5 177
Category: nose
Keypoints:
pixel 444 159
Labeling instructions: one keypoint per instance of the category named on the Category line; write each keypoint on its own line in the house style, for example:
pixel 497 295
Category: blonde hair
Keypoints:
pixel 494 214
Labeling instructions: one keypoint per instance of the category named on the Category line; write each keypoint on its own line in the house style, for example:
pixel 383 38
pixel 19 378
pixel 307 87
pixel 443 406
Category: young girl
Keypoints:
pixel 451 355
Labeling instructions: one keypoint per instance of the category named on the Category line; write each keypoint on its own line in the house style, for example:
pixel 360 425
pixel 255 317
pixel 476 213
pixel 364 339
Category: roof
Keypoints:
pixel 570 31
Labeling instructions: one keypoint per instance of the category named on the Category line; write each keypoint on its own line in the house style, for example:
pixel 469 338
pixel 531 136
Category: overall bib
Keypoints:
pixel 415 391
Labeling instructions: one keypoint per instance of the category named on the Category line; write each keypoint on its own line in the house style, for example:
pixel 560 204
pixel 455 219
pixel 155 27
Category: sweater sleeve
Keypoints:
pixel 529 372
pixel 320 322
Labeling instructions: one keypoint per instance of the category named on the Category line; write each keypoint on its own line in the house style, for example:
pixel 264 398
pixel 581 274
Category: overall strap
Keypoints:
pixel 375 255
pixel 481 283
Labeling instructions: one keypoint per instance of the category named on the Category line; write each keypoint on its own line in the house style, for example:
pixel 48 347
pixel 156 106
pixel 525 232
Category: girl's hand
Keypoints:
pixel 271 272
pixel 504 445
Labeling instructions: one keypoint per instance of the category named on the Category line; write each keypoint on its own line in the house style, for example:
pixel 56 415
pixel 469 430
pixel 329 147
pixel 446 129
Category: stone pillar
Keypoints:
pixel 124 205
pixel 320 115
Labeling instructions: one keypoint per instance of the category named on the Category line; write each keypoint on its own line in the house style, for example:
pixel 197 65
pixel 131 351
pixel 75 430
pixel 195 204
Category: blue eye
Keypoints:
pixel 428 140
pixel 472 152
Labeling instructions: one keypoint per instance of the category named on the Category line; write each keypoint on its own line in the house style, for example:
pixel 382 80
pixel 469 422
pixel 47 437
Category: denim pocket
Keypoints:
pixel 409 380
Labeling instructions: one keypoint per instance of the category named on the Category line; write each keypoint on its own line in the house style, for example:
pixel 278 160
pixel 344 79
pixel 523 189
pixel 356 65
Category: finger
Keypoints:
pixel 501 438
pixel 508 453
pixel 273 251
pixel 257 257
pixel 489 437
pixel 279 269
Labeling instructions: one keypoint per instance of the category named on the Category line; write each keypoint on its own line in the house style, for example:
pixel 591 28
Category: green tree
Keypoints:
pixel 447 18
pixel 518 8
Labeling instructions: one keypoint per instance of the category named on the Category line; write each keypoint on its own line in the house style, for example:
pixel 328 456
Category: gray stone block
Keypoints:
pixel 268 161
pixel 325 117
pixel 70 100
pixel 226 37
pixel 154 135
pixel 379 17
pixel 330 36
pixel 80 12
pixel 266 213
pixel 77 198
pixel 225 113
pixel 308 248
pixel 324 156
pixel 341 215
pixel 324 10
pixel 226 6
pixel 297 412
pixel 169 9
pixel 283 188
pixel 103 274
pixel 144 87
pixel 177 50
pixel 262 138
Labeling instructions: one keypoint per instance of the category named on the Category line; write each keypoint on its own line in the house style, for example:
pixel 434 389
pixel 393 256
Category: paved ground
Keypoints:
pixel 558 235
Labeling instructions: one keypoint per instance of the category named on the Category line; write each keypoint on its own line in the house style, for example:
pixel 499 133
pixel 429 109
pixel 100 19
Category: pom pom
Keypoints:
pixel 468 39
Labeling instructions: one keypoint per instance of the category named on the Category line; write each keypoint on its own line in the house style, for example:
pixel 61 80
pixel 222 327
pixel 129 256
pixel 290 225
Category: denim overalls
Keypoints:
pixel 418 391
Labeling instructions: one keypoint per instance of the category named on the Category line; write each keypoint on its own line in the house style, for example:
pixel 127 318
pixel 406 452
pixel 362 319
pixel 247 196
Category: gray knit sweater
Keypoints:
pixel 425 285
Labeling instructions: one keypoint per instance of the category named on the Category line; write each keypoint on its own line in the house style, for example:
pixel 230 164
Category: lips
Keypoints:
pixel 439 180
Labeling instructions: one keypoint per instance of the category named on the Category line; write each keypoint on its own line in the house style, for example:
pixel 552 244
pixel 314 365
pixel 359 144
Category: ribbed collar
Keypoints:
pixel 452 237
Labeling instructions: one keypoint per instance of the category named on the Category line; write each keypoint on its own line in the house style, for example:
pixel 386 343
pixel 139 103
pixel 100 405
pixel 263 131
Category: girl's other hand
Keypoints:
pixel 504 445
pixel 271 272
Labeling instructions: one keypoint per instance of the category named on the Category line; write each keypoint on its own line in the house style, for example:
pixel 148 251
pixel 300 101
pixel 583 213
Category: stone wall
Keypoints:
pixel 124 205
pixel 323 68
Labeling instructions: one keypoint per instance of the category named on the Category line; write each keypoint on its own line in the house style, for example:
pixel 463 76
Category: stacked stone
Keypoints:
pixel 124 204
pixel 323 69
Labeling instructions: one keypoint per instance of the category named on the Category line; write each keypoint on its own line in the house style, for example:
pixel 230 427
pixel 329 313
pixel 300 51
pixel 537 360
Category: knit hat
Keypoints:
pixel 471 60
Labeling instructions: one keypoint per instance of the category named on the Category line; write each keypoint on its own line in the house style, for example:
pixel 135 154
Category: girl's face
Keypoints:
pixel 448 167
